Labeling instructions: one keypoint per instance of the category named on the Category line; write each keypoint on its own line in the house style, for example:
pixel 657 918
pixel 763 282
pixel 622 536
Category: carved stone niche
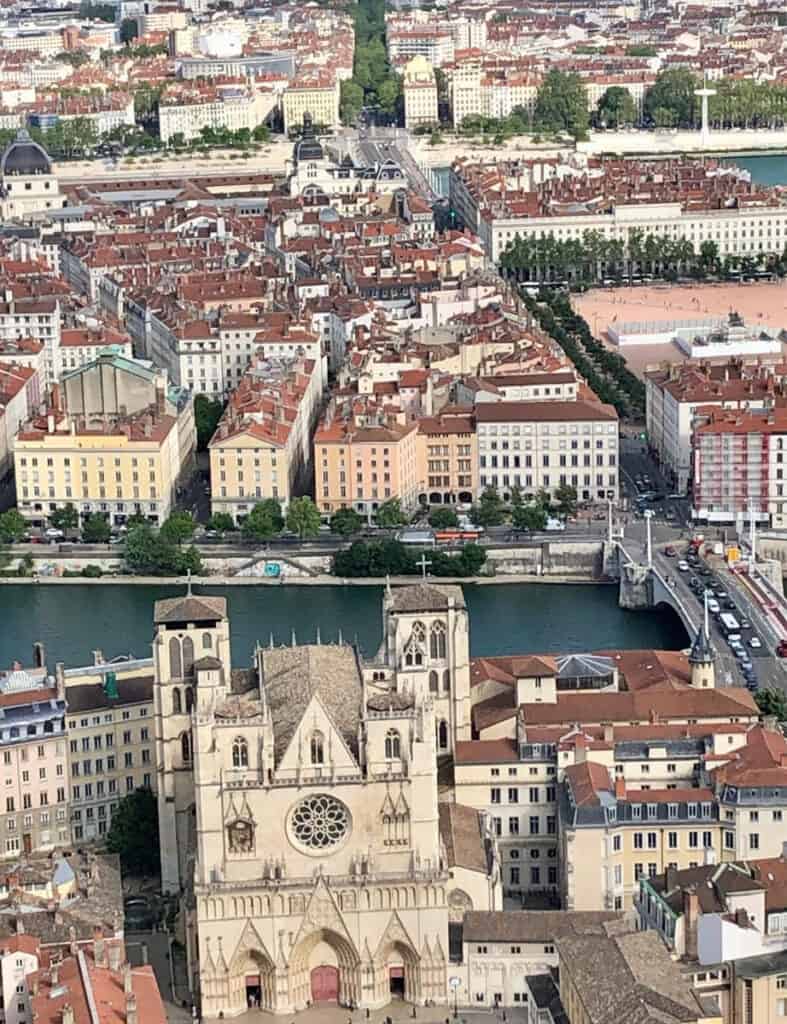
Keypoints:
pixel 240 836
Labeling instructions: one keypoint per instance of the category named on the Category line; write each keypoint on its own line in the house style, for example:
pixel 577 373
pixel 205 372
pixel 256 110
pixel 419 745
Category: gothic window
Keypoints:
pixel 189 699
pixel 175 668
pixel 447 681
pixel 319 822
pixel 434 682
pixel 317 748
pixel 240 836
pixel 240 753
pixel 188 656
pixel 416 645
pixel 437 641
pixel 177 705
pixel 185 748
pixel 207 642
pixel 442 735
pixel 393 745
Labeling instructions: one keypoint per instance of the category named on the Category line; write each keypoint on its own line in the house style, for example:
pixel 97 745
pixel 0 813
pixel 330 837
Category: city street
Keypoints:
pixel 153 948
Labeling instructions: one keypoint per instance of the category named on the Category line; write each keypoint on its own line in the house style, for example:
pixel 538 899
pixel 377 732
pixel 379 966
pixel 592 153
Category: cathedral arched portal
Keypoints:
pixel 398 973
pixel 253 981
pixel 324 968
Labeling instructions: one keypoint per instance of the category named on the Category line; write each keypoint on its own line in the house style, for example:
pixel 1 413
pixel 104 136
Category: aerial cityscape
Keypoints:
pixel 393 511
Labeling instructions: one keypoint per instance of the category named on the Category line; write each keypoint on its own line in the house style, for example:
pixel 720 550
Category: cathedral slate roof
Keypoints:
pixel 189 609
pixel 462 833
pixel 426 597
pixel 291 676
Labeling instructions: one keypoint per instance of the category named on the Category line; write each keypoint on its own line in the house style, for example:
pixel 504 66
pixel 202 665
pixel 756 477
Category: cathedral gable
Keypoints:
pixel 250 944
pixel 395 934
pixel 317 741
pixel 322 914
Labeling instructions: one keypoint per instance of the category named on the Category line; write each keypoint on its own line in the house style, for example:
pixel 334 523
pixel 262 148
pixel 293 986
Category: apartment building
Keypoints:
pixel 262 447
pixel 673 396
pixel 420 94
pixel 436 45
pixel 446 449
pixel 81 345
pixel 34 801
pixel 360 463
pixel 20 392
pixel 38 319
pixel 500 201
pixel 315 95
pixel 739 466
pixel 535 445
pixel 186 112
pixel 110 738
pixel 624 711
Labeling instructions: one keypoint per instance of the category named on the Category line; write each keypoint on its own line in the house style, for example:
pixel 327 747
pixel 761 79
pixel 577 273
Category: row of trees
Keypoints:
pixel 374 83
pixel 545 259
pixel 606 372
pixel 739 103
pixel 391 557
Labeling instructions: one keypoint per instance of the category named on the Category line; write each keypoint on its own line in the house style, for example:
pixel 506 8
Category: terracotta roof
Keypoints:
pixel 461 829
pixel 189 608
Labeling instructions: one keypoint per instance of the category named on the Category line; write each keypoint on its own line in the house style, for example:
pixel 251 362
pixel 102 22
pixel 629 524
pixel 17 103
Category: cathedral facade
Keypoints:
pixel 298 807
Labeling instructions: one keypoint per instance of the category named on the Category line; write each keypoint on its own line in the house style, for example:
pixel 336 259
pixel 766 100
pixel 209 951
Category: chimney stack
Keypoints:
pixel 691 911
pixel 127 986
pixel 68 1014
pixel 99 947
pixel 620 788
pixel 131 1009
pixel 115 956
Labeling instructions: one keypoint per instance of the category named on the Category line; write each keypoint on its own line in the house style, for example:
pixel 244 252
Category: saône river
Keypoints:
pixel 74 619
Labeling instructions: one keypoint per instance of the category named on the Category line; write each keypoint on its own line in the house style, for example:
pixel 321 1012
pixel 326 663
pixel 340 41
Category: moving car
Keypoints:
pixel 755 642
pixel 683 566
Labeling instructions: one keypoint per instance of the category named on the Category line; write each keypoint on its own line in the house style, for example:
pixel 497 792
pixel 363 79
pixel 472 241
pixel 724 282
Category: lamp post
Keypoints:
pixel 648 516
pixel 454 984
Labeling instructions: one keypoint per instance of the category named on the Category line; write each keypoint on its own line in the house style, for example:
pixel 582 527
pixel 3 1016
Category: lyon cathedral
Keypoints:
pixel 299 812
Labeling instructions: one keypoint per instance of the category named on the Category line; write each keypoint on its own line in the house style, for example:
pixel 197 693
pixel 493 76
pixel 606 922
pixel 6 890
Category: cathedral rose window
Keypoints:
pixel 319 822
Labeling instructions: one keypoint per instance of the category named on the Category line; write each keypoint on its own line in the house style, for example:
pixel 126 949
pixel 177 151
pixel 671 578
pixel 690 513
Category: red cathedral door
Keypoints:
pixel 325 985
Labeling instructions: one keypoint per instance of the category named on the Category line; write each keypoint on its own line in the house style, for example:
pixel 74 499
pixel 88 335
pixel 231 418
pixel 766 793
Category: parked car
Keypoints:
pixel 755 642
pixel 670 551
pixel 683 566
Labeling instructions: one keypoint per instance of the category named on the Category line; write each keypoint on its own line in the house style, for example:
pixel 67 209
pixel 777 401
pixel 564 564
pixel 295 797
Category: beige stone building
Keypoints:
pixel 318 96
pixel 262 447
pixel 34 795
pixel 420 94
pixel 447 453
pixel 118 445
pixel 110 739
pixel 298 799
pixel 29 186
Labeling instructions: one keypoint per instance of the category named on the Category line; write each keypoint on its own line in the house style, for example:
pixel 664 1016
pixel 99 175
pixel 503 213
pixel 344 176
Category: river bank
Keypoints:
pixel 293 581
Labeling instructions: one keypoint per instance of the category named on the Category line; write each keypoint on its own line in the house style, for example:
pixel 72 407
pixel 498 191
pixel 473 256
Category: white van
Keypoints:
pixel 554 525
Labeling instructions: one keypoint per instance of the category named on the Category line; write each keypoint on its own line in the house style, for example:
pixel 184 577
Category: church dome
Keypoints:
pixel 23 156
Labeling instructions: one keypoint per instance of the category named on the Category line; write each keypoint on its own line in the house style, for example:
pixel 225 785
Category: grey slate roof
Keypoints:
pixel 91 696
pixel 189 609
pixel 463 837
pixel 533 925
pixel 291 676
pixel 426 597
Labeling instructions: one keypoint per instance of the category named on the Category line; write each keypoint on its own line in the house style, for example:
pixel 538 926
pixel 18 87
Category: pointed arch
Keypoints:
pixel 175 663
pixel 446 681
pixel 207 641
pixel 240 753
pixel 434 682
pixel 437 642
pixel 393 745
pixel 442 734
pixel 177 704
pixel 189 699
pixel 188 656
pixel 317 748
pixel 185 747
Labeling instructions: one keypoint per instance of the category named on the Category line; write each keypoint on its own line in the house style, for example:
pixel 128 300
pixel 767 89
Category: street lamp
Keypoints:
pixel 648 513
pixel 454 984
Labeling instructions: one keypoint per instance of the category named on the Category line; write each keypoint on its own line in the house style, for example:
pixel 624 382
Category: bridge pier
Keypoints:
pixel 636 586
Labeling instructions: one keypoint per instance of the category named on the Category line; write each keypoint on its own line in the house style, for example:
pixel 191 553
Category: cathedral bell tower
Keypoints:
pixel 188 630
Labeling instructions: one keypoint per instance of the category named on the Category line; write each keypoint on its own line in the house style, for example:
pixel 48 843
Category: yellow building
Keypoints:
pixel 262 447
pixel 118 447
pixel 420 93
pixel 316 96
pixel 446 450
pixel 110 738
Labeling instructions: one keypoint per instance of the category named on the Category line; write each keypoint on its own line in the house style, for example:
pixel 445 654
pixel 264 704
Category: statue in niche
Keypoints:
pixel 240 835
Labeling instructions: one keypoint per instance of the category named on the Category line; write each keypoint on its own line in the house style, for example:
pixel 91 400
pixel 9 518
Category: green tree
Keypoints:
pixel 76 58
pixel 264 521
pixel 516 496
pixel 672 98
pixel 133 833
pixel 303 517
pixel 187 560
pixel 65 518
pixel 528 517
pixel 351 101
pixel 178 526
pixel 472 559
pixel 345 522
pixel 207 413
pixel 147 553
pixel 443 519
pixel 561 105
pixel 389 515
pixel 12 526
pixel 221 522
pixel 490 510
pixel 95 528
pixel 566 499
pixel 641 50
pixel 26 564
pixel 389 92
pixel 261 133
pixel 772 702
pixel 616 107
